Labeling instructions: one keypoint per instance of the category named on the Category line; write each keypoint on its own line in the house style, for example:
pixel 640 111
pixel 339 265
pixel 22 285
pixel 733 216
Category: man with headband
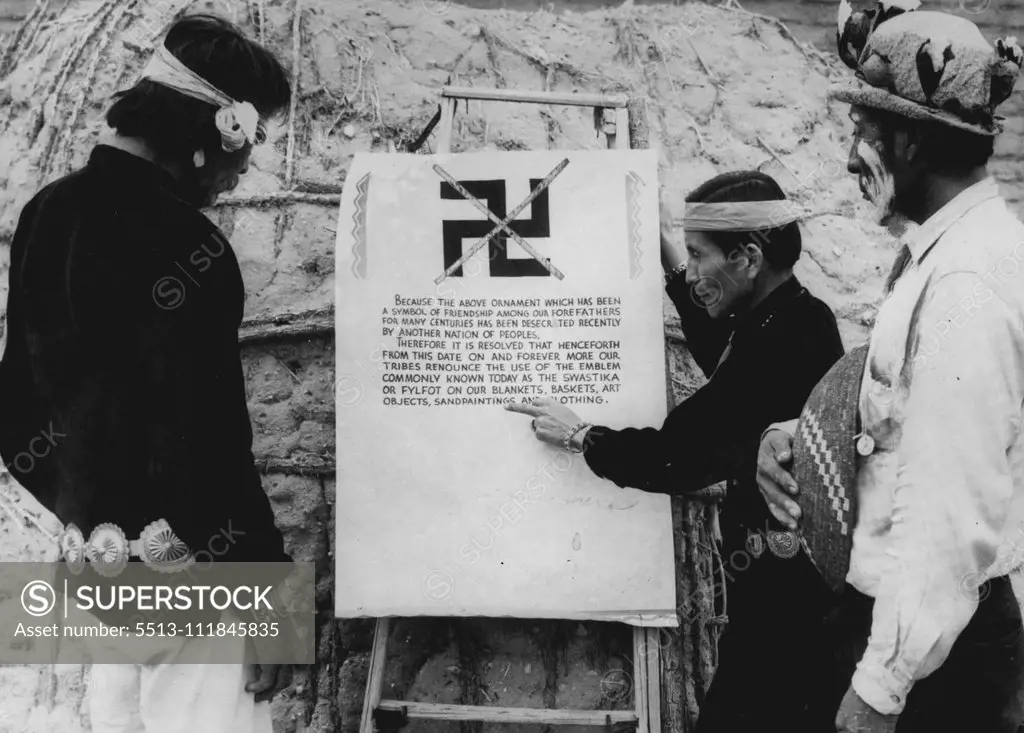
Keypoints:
pixel 763 341
pixel 928 635
pixel 122 345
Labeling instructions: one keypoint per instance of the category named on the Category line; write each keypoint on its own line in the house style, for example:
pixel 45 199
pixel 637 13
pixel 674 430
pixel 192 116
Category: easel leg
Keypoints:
pixel 375 678
pixel 640 682
pixel 653 658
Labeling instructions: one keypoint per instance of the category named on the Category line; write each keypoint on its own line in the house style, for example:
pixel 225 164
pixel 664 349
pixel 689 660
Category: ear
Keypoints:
pixel 752 258
pixel 756 257
pixel 907 144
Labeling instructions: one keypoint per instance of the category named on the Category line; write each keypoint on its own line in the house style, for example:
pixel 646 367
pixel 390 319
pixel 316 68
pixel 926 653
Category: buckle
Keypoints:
pixel 783 544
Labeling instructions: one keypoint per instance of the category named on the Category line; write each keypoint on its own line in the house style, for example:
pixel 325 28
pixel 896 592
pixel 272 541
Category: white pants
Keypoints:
pixel 188 697
pixel 174 698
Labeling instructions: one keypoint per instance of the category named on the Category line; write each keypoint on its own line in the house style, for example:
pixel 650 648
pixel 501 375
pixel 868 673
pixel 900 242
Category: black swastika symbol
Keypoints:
pixel 501 265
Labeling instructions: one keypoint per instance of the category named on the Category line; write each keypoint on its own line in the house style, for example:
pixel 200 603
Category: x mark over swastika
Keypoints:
pixel 501 225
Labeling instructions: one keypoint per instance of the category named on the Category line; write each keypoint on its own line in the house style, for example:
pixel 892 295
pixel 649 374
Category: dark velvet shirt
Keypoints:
pixel 122 351
pixel 779 352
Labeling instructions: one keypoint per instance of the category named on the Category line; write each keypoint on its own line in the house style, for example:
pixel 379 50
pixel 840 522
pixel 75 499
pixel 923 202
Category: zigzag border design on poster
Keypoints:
pixel 359 227
pixel 633 183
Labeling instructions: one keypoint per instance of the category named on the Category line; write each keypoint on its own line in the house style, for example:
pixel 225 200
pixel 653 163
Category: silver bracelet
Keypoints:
pixel 675 272
pixel 567 441
pixel 583 433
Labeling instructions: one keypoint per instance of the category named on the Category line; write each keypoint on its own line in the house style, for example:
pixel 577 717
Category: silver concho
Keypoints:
pixel 72 548
pixel 755 544
pixel 783 544
pixel 107 550
pixel 162 550
pixel 865 445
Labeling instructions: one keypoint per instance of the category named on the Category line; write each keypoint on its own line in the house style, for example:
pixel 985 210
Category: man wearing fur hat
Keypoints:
pixel 928 634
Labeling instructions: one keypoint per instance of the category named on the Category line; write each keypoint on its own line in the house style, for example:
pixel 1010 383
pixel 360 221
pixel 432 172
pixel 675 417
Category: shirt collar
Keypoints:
pixel 921 239
pixel 764 310
pixel 130 170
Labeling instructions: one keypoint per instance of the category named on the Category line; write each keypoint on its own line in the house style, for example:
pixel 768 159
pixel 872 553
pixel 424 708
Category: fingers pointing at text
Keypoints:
pixel 552 421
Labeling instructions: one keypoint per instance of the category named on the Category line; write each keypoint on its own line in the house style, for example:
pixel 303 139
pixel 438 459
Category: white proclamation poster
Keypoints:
pixel 447 504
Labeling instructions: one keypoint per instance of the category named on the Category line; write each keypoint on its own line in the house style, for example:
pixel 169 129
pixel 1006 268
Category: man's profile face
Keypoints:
pixel 720 283
pixel 888 166
pixel 222 174
pixel 870 161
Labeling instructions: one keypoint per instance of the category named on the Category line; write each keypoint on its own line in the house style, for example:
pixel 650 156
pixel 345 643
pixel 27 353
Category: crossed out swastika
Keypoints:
pixel 493 191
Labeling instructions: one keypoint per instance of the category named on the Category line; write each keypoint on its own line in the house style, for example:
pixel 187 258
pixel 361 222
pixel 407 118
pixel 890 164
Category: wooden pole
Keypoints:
pixel 494 714
pixel 375 678
pixel 537 97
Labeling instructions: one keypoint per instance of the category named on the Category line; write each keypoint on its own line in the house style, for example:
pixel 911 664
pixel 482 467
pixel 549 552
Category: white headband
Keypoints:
pixel 238 122
pixel 745 216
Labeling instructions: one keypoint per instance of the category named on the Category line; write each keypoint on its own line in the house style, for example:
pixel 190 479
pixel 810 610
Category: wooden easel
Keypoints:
pixel 646 716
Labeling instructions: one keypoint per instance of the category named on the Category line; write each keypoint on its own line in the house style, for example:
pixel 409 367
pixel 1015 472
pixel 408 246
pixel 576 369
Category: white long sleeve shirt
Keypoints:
pixel 941 495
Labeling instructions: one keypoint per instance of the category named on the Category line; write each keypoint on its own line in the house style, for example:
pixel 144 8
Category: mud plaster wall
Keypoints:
pixel 720 90
pixel 811 21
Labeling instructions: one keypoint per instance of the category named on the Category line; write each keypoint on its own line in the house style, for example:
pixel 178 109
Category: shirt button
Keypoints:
pixel 865 445
pixel 895 699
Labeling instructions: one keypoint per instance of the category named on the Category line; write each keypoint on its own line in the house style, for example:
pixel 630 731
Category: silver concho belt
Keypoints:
pixel 108 549
pixel 783 544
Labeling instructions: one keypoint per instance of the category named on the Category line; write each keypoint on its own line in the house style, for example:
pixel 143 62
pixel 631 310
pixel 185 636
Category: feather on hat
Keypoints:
pixel 925 65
